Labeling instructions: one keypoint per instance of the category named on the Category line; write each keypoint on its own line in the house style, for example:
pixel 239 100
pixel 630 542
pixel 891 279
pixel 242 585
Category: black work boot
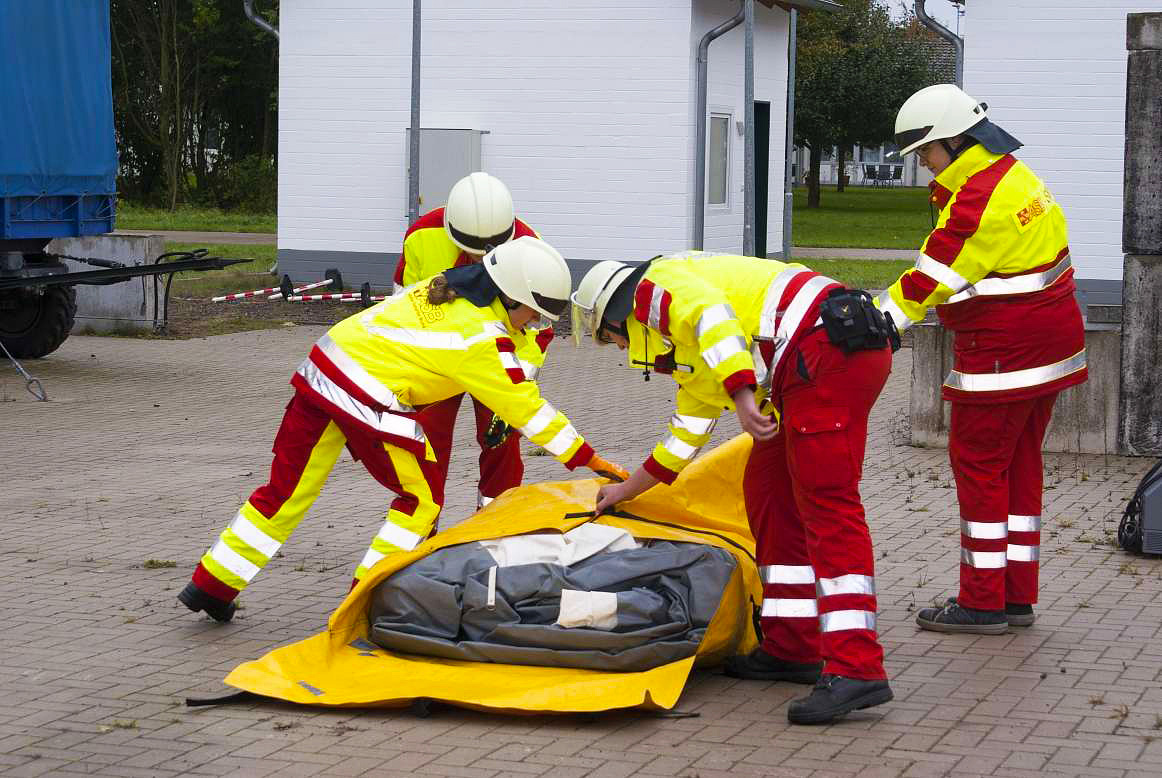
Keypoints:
pixel 196 600
pixel 954 617
pixel 1019 615
pixel 758 665
pixel 835 696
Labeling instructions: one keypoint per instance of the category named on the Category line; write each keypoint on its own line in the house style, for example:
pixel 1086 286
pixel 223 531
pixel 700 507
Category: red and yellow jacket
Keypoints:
pixel 718 323
pixel 374 369
pixel 997 267
pixel 428 251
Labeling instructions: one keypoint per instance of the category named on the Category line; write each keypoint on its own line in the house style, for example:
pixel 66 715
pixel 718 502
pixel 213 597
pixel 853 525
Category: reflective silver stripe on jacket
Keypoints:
pixel 984 530
pixel 1016 379
pixel 888 306
pixel 938 271
pixel 787 574
pixel 443 341
pixel 724 350
pixel 254 537
pixel 773 297
pixel 233 561
pixel 784 608
pixel 562 441
pixel 540 421
pixel 1024 523
pixel 1023 284
pixel 510 361
pixel 680 448
pixel 360 377
pixel 1023 553
pixel 982 560
pixel 852 583
pixel 836 621
pixel 530 370
pixel 793 317
pixel 713 316
pixel 330 391
pixel 695 425
pixel 655 316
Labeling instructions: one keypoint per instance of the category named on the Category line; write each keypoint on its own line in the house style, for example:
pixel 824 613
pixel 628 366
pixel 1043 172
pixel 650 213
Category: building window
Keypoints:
pixel 718 159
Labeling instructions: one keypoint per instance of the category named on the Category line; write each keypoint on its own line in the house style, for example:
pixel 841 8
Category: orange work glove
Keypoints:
pixel 607 469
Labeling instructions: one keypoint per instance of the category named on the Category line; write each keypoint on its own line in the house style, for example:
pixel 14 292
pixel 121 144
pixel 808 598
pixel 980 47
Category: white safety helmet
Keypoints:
pixel 593 295
pixel 943 111
pixel 531 272
pixel 478 216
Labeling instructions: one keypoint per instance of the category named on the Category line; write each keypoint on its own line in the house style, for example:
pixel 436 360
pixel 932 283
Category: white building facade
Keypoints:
pixel 1054 75
pixel 585 110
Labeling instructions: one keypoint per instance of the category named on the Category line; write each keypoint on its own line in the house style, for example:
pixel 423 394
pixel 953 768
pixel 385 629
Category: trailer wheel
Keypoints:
pixel 32 325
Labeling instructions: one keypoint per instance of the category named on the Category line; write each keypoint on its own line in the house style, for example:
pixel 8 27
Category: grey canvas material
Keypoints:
pixel 667 593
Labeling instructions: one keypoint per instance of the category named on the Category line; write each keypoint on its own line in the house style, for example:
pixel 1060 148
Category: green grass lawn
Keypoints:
pixel 859 273
pixel 862 217
pixel 187 217
pixel 236 278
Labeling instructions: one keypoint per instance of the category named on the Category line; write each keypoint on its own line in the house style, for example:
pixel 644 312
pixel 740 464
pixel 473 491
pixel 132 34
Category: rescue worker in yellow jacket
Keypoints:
pixel 759 337
pixel 997 268
pixel 477 217
pixel 361 387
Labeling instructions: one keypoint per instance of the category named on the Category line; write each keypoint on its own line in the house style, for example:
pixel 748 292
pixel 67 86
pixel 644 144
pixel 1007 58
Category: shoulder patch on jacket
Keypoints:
pixel 427 312
pixel 1040 205
pixel 651 306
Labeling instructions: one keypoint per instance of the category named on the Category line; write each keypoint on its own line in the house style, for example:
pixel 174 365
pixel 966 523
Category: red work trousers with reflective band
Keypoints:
pixel 501 467
pixel 308 443
pixel 995 452
pixel 802 499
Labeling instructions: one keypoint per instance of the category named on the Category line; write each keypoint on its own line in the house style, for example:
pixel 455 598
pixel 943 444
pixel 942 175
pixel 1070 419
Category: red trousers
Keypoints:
pixel 802 499
pixel 307 444
pixel 995 451
pixel 501 468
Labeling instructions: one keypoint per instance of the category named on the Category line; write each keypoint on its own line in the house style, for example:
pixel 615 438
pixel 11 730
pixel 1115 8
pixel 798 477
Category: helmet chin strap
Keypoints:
pixel 954 153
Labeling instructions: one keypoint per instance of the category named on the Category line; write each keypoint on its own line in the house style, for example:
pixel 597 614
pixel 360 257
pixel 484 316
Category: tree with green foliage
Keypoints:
pixel 854 69
pixel 195 90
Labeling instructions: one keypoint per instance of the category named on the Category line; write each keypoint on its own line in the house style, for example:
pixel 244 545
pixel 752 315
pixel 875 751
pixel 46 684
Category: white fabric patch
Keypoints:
pixel 557 548
pixel 597 610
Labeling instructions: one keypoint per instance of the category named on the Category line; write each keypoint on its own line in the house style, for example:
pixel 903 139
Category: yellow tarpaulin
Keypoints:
pixel 341 667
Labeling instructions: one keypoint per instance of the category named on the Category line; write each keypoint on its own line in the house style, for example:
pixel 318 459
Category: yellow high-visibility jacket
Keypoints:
pixel 997 267
pixel 718 323
pixel 376 367
pixel 429 251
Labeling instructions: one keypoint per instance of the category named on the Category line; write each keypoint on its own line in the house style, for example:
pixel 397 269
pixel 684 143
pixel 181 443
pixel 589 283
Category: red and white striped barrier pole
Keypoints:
pixel 301 289
pixel 244 295
pixel 348 296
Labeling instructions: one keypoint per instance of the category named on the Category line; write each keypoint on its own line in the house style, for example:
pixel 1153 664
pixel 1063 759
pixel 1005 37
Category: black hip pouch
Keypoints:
pixel 854 323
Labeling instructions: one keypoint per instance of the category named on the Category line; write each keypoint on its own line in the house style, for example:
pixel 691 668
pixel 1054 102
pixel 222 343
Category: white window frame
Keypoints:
pixel 727 114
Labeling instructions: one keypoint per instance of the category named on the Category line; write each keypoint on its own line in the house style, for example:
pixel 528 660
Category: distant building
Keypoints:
pixel 585 110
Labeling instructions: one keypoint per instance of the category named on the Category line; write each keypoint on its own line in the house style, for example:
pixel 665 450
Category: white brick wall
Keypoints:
pixel 589 113
pixel 1054 74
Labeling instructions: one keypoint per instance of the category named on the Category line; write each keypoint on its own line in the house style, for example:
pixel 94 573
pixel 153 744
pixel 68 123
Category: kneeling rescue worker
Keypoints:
pixel 761 336
pixel 361 387
pixel 477 218
pixel 997 266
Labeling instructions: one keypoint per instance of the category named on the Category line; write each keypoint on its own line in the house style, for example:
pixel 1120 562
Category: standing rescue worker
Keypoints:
pixel 477 218
pixel 997 266
pixel 360 387
pixel 743 333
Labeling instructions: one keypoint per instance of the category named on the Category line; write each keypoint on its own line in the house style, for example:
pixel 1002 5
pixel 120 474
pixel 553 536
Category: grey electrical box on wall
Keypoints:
pixel 446 156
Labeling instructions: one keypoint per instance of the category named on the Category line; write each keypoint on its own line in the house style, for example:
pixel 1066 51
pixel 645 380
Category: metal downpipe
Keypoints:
pixel 748 183
pixel 248 9
pixel 946 34
pixel 700 124
pixel 414 140
pixel 788 178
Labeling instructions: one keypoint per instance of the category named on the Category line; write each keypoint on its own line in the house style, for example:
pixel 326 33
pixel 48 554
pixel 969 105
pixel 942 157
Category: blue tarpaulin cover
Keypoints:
pixel 56 100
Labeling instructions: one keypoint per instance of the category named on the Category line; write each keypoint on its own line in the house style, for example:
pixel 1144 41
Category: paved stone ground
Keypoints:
pixel 148 447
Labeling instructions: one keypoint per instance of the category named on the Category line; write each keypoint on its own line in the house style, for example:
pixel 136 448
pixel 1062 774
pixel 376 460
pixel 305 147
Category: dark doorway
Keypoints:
pixel 762 153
